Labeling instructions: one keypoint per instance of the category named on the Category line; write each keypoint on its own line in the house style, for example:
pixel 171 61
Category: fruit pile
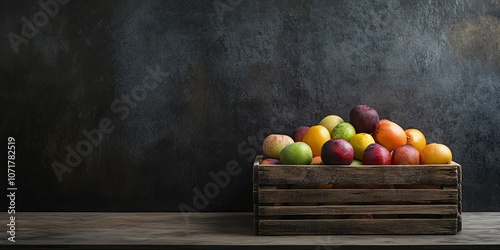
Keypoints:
pixel 364 140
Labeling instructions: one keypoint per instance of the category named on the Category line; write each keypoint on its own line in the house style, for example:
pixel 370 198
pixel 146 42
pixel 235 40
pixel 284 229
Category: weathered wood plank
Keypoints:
pixel 358 226
pixel 255 169
pixel 324 174
pixel 460 198
pixel 459 221
pixel 358 195
pixel 263 211
pixel 459 174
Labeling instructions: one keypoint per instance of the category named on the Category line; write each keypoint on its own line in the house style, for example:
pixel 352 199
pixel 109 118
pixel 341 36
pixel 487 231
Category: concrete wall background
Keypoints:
pixel 237 70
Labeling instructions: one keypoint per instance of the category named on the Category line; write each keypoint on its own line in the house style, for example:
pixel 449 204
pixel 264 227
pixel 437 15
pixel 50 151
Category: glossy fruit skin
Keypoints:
pixel 359 142
pixel 405 155
pixel 297 153
pixel 330 121
pixel 274 143
pixel 364 118
pixel 436 153
pixel 389 134
pixel 376 154
pixel 337 152
pixel 415 138
pixel 343 130
pixel 315 137
pixel 299 132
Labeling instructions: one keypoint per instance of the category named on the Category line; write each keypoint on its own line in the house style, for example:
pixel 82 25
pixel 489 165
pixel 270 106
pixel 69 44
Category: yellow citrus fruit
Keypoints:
pixel 415 138
pixel 435 153
pixel 359 142
pixel 315 137
pixel 389 134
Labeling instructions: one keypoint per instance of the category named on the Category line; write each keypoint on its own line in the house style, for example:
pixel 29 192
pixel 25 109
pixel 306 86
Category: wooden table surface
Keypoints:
pixel 216 230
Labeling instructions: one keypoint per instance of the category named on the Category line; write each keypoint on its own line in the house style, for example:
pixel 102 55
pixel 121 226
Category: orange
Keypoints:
pixel 389 134
pixel 315 137
pixel 316 160
pixel 415 138
pixel 435 153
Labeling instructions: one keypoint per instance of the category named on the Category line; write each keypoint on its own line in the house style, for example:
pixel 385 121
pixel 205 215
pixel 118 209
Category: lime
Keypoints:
pixel 343 130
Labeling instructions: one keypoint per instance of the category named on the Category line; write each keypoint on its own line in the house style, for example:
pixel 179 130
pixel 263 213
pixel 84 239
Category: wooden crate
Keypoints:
pixel 372 200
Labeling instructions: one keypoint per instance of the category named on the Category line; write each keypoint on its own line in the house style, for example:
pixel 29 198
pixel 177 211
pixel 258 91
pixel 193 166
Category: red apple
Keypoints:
pixel 274 143
pixel 364 118
pixel 376 154
pixel 299 133
pixel 337 152
pixel 405 155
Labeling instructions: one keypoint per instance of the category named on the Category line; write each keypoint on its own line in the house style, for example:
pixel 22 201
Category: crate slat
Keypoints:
pixel 444 174
pixel 358 226
pixel 358 195
pixel 263 211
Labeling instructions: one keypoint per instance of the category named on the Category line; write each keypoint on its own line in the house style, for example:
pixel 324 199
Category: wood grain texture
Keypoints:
pixel 358 195
pixel 220 231
pixel 444 174
pixel 356 209
pixel 358 226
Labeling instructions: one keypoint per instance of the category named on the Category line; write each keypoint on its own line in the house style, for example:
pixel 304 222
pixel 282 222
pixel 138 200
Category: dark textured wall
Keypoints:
pixel 186 88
